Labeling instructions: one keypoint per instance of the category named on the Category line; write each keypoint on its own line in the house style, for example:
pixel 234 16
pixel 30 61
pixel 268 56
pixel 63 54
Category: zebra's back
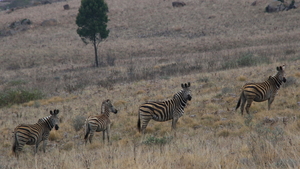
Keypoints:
pixel 159 111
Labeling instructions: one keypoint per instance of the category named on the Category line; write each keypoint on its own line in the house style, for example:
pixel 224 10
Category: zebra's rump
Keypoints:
pixel 26 136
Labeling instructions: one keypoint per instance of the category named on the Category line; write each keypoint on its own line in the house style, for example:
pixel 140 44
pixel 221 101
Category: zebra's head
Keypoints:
pixel 51 121
pixel 281 73
pixel 186 91
pixel 54 119
pixel 107 105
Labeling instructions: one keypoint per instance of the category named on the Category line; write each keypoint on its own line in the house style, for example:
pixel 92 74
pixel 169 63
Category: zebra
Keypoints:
pixel 260 92
pixel 100 122
pixel 165 110
pixel 33 134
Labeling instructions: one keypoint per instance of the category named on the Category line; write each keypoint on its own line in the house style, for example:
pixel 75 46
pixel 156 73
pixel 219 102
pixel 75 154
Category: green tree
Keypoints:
pixel 92 22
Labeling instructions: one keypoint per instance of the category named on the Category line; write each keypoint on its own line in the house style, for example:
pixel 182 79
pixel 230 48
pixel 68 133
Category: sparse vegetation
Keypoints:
pixel 152 140
pixel 153 48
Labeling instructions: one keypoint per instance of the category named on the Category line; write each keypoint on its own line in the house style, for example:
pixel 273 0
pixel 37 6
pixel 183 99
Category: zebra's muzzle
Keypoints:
pixel 189 98
pixel 56 127
pixel 284 79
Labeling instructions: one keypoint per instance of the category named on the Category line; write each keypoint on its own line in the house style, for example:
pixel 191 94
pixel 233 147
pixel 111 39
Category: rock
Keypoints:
pixel 178 4
pixel 66 7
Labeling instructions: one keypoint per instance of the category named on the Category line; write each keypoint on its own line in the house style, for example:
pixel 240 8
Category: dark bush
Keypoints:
pixel 18 96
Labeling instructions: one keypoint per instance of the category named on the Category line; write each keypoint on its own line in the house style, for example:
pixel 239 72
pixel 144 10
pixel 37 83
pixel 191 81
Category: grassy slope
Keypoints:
pixel 147 36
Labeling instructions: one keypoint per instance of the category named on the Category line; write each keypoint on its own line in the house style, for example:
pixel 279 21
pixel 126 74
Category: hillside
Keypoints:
pixel 152 48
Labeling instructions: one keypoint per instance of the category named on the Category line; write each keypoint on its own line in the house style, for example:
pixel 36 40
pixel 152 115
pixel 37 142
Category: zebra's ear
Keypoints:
pixel 56 111
pixel 51 112
pixel 182 85
pixel 278 69
pixel 189 84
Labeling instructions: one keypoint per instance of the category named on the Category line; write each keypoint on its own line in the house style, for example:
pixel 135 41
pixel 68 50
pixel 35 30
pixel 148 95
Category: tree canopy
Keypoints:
pixel 92 22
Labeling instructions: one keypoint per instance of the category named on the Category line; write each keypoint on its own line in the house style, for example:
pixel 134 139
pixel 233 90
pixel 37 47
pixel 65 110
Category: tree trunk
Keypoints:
pixel 96 53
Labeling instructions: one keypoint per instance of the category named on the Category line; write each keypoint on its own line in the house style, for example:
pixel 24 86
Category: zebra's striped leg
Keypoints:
pixel 243 100
pixel 103 132
pixel 86 139
pixel 36 147
pixel 108 133
pixel 174 121
pixel 249 102
pixel 145 122
pixel 45 144
pixel 270 101
pixel 87 132
pixel 91 136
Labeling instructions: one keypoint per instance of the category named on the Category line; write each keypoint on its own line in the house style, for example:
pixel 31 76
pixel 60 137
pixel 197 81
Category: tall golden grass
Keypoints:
pixel 150 41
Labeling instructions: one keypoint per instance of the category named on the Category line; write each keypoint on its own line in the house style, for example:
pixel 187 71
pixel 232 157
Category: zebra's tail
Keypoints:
pixel 87 130
pixel 139 123
pixel 239 102
pixel 15 144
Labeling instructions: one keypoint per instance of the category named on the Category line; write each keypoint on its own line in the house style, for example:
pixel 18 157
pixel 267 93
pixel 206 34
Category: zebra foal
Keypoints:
pixel 100 122
pixel 165 110
pixel 260 92
pixel 33 134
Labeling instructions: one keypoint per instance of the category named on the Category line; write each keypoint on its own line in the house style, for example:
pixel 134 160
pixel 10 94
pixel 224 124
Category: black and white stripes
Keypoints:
pixel 165 110
pixel 259 92
pixel 33 134
pixel 100 122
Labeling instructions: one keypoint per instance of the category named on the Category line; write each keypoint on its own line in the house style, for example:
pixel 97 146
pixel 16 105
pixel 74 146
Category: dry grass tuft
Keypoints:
pixel 242 78
pixel 223 133
pixel 68 146
pixel 55 135
pixel 297 74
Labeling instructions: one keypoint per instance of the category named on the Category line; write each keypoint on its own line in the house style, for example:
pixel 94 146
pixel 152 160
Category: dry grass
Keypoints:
pixel 157 47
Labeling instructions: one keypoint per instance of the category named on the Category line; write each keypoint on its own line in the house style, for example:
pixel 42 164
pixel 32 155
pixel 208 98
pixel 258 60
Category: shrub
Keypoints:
pixel 78 122
pixel 19 3
pixel 229 64
pixel 110 60
pixel 16 82
pixel 157 141
pixel 227 90
pixel 290 81
pixel 290 52
pixel 203 79
pixel 18 96
pixel 246 60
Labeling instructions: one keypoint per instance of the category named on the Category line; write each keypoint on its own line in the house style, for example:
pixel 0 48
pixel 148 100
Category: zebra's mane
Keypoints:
pixel 104 109
pixel 46 120
pixel 274 79
pixel 180 95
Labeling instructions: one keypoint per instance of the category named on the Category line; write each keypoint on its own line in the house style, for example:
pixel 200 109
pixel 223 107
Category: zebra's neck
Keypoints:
pixel 46 121
pixel 105 110
pixel 275 80
pixel 178 98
